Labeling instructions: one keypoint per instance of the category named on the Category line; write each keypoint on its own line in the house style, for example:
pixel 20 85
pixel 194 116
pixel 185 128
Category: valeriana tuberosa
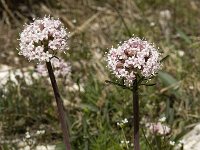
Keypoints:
pixel 40 41
pixel 134 61
pixel 158 128
pixel 133 57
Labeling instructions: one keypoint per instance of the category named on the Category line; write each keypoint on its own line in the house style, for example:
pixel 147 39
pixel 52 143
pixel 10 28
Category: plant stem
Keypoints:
pixel 124 136
pixel 136 115
pixel 60 106
pixel 146 139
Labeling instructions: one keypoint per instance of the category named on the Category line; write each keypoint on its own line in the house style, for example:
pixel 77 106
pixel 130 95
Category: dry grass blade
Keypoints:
pixel 85 24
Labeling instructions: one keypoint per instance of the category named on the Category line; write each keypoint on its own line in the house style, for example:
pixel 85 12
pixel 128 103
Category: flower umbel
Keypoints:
pixel 134 56
pixel 61 68
pixel 43 33
pixel 158 128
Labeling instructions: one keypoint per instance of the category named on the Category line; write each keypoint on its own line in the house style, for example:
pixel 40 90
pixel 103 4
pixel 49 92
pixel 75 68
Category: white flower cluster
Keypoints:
pixel 134 56
pixel 172 143
pixel 61 68
pixel 158 128
pixel 178 145
pixel 125 142
pixel 41 36
pixel 122 122
pixel 27 135
pixel 40 132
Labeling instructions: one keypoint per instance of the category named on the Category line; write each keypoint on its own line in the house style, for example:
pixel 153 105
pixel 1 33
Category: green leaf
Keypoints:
pixel 167 79
pixel 164 58
pixel 60 146
pixel 184 36
pixel 171 84
pixel 89 107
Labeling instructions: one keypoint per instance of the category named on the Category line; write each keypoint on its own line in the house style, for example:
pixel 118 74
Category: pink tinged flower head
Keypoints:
pixel 40 36
pixel 61 68
pixel 158 128
pixel 134 56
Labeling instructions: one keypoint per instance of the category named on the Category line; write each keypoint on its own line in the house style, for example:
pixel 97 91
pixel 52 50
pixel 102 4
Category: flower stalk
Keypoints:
pixel 40 41
pixel 60 106
pixel 136 115
pixel 134 61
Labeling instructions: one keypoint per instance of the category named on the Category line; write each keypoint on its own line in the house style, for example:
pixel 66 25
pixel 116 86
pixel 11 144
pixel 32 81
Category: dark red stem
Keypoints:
pixel 60 106
pixel 136 115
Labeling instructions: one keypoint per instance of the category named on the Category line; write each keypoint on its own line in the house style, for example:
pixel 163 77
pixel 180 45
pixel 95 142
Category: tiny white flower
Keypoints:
pixel 27 135
pixel 39 132
pixel 163 119
pixel 179 145
pixel 181 141
pixel 125 121
pixel 74 21
pixel 191 87
pixel 172 143
pixel 152 24
pixel 181 53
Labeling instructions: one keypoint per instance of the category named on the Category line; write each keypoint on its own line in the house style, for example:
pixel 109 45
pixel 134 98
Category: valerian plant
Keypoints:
pixel 135 61
pixel 40 41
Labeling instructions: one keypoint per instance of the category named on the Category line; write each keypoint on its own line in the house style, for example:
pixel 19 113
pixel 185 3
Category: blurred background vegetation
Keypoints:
pixel 94 107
